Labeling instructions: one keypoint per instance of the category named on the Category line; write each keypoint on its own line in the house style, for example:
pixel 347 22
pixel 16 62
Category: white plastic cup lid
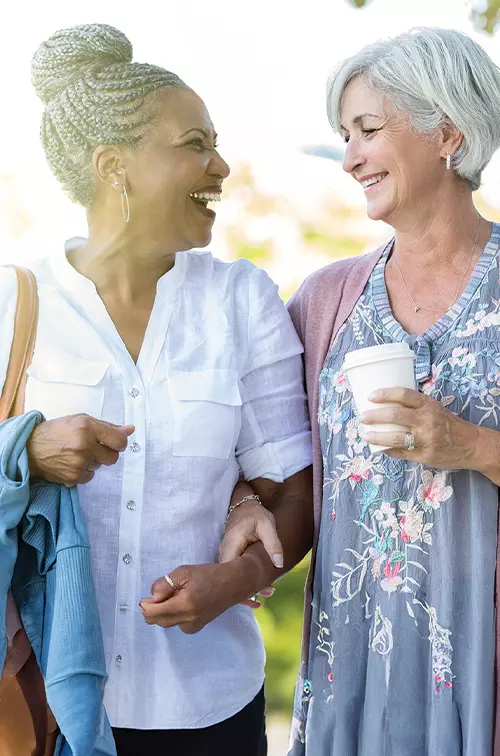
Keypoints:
pixel 378 353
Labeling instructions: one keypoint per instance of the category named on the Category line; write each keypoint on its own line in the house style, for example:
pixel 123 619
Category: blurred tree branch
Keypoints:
pixel 487 19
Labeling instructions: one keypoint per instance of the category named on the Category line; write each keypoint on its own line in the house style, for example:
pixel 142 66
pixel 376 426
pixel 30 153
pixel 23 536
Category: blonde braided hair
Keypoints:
pixel 93 94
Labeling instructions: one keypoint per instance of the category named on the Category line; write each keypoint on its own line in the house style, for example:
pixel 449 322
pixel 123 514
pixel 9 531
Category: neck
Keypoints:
pixel 442 236
pixel 123 261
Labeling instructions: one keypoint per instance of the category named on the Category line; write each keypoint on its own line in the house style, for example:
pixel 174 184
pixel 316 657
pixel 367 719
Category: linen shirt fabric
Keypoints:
pixel 218 386
pixel 45 554
pixel 319 310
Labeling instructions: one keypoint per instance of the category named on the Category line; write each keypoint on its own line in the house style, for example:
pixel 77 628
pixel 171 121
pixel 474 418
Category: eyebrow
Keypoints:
pixel 359 118
pixel 200 131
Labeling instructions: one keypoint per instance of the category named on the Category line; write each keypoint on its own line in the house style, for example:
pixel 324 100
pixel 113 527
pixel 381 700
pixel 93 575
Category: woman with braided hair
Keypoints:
pixel 161 373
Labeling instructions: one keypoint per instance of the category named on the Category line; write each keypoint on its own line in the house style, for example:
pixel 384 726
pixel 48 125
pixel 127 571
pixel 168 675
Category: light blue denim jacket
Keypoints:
pixel 45 558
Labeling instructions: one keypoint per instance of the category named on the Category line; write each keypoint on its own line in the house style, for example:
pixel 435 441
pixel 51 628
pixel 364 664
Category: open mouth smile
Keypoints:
pixel 202 198
pixel 370 182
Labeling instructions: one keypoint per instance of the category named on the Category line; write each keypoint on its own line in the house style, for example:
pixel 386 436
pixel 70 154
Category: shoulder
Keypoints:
pixel 334 275
pixel 320 294
pixel 237 276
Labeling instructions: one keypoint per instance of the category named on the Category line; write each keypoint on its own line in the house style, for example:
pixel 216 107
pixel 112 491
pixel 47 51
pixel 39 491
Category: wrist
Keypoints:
pixel 247 576
pixel 30 448
pixel 487 454
pixel 236 504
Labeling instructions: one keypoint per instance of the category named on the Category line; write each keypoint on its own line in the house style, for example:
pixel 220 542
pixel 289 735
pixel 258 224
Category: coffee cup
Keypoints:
pixel 377 367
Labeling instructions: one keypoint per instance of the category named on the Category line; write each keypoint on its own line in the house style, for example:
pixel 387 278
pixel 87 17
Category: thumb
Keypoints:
pixel 267 534
pixel 233 545
pixel 161 590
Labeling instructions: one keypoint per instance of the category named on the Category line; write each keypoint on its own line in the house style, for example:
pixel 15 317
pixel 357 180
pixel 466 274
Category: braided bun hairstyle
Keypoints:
pixel 93 94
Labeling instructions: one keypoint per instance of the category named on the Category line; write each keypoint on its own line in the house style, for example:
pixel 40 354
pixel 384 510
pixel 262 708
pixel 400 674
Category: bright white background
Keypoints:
pixel 261 68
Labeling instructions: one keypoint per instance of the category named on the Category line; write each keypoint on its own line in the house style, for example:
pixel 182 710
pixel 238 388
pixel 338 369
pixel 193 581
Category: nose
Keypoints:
pixel 353 157
pixel 219 167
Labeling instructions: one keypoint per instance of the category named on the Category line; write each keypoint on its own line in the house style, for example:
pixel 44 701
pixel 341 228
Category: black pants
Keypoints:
pixel 241 735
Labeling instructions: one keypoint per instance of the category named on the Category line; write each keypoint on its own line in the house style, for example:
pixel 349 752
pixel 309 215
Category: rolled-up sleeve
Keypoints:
pixel 275 436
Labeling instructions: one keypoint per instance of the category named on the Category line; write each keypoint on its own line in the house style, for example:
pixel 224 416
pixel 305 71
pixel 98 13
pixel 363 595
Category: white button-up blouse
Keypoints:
pixel 218 383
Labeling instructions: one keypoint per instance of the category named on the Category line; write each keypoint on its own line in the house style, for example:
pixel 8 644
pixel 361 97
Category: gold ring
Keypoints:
pixel 171 582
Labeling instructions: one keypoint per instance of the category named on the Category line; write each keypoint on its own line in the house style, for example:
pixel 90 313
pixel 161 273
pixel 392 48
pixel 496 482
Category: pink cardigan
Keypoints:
pixel 318 309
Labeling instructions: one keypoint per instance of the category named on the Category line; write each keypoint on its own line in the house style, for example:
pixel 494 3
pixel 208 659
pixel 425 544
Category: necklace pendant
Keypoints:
pixel 417 308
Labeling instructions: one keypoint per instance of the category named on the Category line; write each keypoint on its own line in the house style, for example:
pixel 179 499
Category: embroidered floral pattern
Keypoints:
pixel 378 579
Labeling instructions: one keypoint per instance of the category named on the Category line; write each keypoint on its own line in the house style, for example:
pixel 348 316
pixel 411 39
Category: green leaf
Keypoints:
pixel 397 556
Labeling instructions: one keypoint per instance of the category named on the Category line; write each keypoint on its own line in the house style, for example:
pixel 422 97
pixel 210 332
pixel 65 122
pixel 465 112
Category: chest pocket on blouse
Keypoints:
pixel 207 413
pixel 60 384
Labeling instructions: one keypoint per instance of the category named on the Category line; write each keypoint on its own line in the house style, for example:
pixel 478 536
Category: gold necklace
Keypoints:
pixel 439 309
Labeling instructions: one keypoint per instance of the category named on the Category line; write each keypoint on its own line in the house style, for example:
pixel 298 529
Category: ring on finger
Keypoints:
pixel 409 442
pixel 171 582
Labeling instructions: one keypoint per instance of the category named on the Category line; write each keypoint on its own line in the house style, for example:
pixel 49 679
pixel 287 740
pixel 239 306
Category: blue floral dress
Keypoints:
pixel 402 638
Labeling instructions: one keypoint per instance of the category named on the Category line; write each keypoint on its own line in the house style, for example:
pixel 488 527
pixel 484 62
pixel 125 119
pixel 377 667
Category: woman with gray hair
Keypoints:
pixel 161 373
pixel 400 625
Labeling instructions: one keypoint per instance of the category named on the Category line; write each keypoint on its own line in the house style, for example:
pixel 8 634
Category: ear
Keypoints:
pixel 108 165
pixel 450 139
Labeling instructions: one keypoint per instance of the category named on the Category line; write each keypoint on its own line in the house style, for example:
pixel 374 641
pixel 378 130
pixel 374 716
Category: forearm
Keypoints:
pixel 487 454
pixel 292 506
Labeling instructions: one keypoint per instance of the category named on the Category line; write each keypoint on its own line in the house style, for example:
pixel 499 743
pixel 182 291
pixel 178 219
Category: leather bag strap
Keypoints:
pixel 23 344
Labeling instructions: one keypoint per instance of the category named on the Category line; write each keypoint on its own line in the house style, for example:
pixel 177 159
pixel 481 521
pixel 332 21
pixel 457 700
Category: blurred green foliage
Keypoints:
pixel 280 620
pixel 487 18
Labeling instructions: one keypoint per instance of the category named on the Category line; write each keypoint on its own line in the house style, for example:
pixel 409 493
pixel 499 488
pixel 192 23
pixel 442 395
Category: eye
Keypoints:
pixel 197 142
pixel 369 131
pixel 346 138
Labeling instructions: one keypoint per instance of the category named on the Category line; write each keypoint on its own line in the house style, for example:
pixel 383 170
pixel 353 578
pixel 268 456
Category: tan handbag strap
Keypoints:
pixel 23 344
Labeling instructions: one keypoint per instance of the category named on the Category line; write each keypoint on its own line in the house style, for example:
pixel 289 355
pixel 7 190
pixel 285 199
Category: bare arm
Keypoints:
pixel 290 515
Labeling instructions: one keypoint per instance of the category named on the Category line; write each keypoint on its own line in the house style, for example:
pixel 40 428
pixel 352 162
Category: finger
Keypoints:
pixel 161 590
pixel 114 437
pixel 86 477
pixel 267 592
pixel 234 544
pixel 391 439
pixel 405 396
pixel 266 533
pixel 252 603
pixel 167 613
pixel 106 456
pixel 92 465
pixel 397 415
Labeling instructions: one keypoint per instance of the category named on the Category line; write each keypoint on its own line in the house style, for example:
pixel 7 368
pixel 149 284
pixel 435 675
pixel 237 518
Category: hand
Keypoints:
pixel 70 449
pixel 247 524
pixel 203 592
pixel 442 440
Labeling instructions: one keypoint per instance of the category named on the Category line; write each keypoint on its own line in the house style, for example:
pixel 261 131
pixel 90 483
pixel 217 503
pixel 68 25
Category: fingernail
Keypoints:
pixel 278 560
pixel 362 418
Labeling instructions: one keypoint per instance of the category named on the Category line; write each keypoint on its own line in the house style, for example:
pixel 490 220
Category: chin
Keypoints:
pixel 378 211
pixel 202 240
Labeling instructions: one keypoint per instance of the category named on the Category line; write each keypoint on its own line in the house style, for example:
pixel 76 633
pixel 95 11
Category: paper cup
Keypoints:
pixel 377 367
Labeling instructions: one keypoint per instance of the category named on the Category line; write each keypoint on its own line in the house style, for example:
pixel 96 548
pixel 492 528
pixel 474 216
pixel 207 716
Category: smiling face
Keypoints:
pixel 176 171
pixel 394 165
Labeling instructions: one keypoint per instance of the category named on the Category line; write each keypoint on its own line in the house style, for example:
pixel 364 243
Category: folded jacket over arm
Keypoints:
pixel 45 557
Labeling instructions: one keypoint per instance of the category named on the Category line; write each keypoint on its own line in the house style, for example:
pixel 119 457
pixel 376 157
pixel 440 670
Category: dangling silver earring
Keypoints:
pixel 125 204
pixel 124 201
pixel 448 161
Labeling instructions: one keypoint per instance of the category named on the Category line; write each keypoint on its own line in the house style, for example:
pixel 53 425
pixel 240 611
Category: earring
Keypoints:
pixel 125 204
pixel 448 161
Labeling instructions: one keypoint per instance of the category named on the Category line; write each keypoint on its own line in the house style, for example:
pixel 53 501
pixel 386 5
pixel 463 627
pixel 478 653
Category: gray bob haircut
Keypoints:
pixel 433 76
